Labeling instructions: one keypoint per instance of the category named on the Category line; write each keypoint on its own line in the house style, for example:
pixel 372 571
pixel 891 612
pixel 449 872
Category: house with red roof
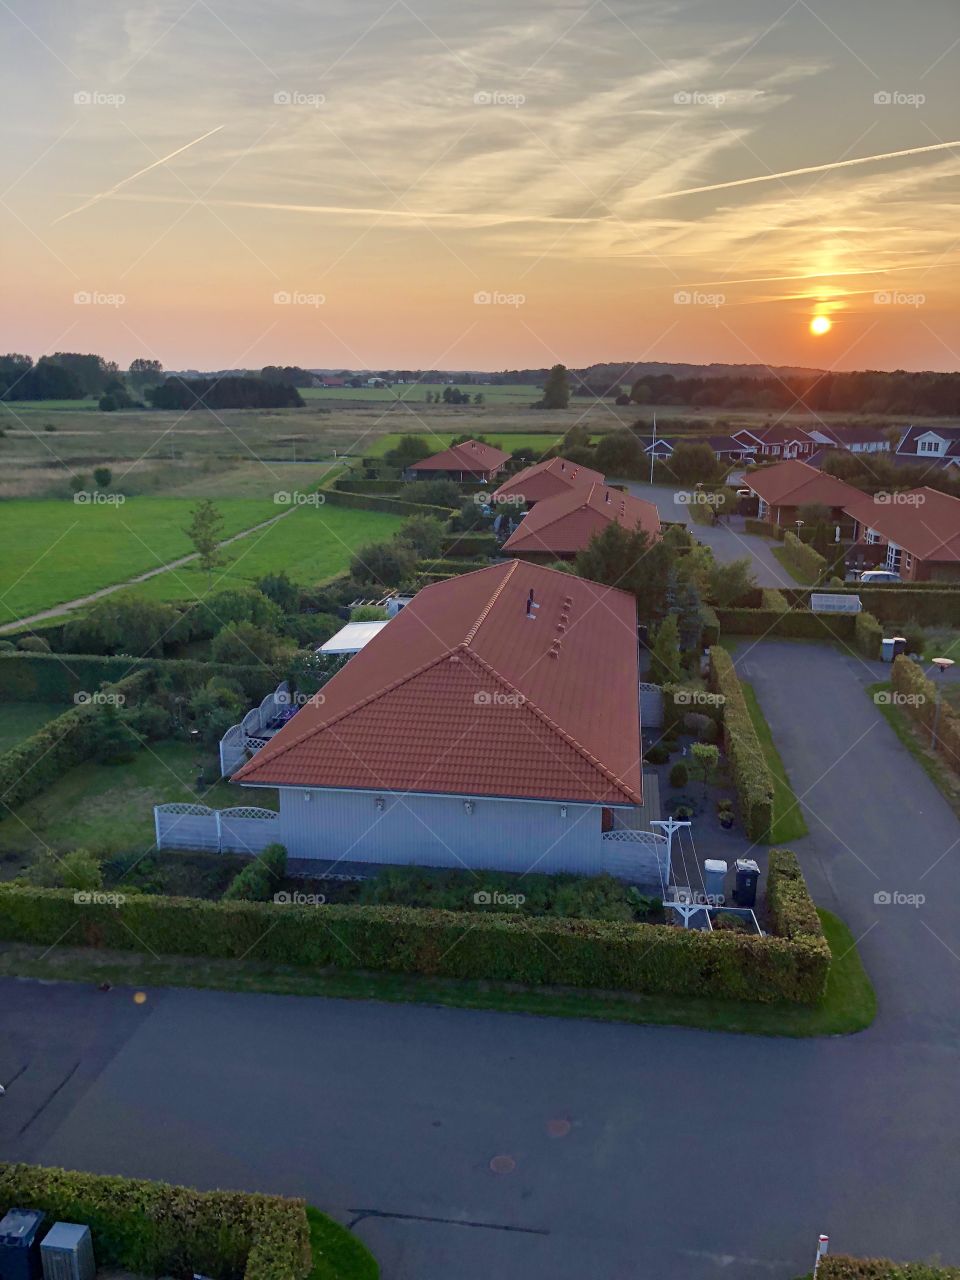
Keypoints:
pixel 777 441
pixel 470 461
pixel 493 723
pixel 557 528
pixel 781 490
pixel 545 480
pixel 915 534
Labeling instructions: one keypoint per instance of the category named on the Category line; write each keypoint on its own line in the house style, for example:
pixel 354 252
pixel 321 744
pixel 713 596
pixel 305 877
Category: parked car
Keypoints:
pixel 878 576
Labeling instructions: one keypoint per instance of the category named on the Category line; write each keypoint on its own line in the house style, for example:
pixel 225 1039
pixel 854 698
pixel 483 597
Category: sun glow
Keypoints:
pixel 820 325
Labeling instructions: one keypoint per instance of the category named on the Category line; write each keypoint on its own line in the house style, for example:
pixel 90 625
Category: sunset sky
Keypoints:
pixel 382 163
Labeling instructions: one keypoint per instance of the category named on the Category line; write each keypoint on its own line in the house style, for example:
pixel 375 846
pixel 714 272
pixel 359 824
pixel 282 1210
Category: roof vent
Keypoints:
pixel 554 650
pixel 563 466
pixel 606 496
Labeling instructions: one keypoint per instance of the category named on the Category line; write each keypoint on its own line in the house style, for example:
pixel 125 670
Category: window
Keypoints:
pixel 929 446
pixel 907 562
pixel 893 557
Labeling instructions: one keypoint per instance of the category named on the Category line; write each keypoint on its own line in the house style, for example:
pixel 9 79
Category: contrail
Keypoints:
pixel 103 195
pixel 796 173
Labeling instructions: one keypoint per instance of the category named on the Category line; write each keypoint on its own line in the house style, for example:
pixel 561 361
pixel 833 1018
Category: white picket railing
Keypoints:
pixel 245 829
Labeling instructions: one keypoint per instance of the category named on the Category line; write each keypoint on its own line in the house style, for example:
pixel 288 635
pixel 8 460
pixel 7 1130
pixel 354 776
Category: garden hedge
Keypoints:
pixel 437 564
pixel 838 1266
pixel 773 599
pixel 643 958
pixel 260 878
pixel 763 528
pixel 55 677
pixel 797 623
pixel 382 502
pixel 709 626
pixel 470 544
pixel 153 1229
pixel 922 603
pixel 803 559
pixel 792 913
pixel 909 680
pixel 868 634
pixel 357 484
pixel 751 775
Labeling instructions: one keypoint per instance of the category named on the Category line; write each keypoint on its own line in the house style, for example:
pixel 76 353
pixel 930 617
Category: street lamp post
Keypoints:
pixel 943 665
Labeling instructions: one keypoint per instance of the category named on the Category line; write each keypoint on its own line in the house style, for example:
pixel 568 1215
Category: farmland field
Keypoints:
pixel 439 440
pixel 519 394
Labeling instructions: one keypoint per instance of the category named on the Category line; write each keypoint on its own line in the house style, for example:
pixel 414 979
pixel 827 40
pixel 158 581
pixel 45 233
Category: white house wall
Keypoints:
pixel 511 835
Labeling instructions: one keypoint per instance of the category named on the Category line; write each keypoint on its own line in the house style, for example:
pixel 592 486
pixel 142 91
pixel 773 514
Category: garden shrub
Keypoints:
pixel 920 703
pixel 867 634
pixel 709 626
pixel 771 598
pixel 751 775
pixel 838 1266
pixel 499 947
pixel 679 775
pixel 152 1228
pixel 470 545
pixel 46 677
pixel 791 908
pixel 260 878
pixel 33 644
pixel 762 527
pixel 383 502
pixel 657 754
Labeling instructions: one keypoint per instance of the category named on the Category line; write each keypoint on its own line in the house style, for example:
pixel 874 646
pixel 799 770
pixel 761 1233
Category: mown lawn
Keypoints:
pixel 849 1004
pixel 109 808
pixel 59 550
pixel 788 820
pixel 18 720
pixel 312 545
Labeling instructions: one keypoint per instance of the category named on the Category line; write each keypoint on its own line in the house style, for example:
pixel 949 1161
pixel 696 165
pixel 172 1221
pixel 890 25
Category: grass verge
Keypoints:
pixel 788 820
pixel 917 742
pixel 337 1254
pixel 849 1004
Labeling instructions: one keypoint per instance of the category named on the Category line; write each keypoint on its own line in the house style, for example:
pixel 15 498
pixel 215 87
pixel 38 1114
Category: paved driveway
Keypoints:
pixel 728 541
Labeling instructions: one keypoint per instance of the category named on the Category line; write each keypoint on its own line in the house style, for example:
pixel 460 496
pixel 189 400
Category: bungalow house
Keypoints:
pixel 471 460
pixel 853 439
pixel 785 487
pixel 730 449
pixel 915 534
pixel 938 446
pixel 777 442
pixel 493 723
pixel 557 528
pixel 545 480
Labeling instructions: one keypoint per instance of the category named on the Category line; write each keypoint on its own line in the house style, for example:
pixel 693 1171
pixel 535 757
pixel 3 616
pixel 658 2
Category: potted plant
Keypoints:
pixel 725 813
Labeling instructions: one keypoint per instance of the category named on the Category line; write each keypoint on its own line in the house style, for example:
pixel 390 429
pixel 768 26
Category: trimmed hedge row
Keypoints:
pixel 838 1266
pixel 456 567
pixel 868 634
pixel 381 502
pixel 709 626
pixel 56 677
pixel 357 484
pixel 258 880
pixel 752 777
pixel 470 544
pixel 155 1229
pixel 900 604
pixel 798 623
pixel 920 694
pixel 503 948
pixel 792 912
pixel 802 558
pixel 771 598
pixel 761 527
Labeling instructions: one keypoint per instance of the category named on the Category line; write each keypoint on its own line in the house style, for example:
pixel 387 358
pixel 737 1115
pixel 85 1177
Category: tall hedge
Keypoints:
pixel 470 544
pixel 919 696
pixel 751 775
pixel 54 677
pixel 867 634
pixel 926 603
pixel 383 502
pixel 792 912
pixel 803 559
pixel 505 948
pixel 797 623
pixel 155 1229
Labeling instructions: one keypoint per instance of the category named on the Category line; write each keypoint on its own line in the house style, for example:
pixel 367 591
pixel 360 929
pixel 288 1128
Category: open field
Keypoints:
pixel 18 720
pixel 109 807
pixel 510 440
pixel 519 394
pixel 66 550
pixel 312 545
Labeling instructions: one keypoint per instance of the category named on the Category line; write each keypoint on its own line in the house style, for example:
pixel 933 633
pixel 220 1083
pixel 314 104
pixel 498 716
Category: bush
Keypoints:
pixel 424 533
pixel 499 947
pixel 751 775
pixel 657 754
pixel 710 626
pixel 762 527
pixel 773 599
pixel 470 545
pixel 259 879
pixel 838 1266
pixel 244 642
pixel 121 624
pixel 33 644
pixel 791 908
pixel 78 870
pixel 46 677
pixel 383 564
pixel 154 1229
pixel 375 502
pixel 679 775
pixel 807 563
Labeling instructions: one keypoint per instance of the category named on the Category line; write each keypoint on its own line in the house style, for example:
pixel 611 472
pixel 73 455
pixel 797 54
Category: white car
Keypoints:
pixel 877 576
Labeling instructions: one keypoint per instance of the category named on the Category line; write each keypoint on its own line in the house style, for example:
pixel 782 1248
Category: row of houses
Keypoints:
pixel 914 533
pixel 779 442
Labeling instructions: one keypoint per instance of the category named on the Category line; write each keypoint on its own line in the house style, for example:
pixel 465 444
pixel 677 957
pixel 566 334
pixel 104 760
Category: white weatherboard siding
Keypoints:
pixel 436 831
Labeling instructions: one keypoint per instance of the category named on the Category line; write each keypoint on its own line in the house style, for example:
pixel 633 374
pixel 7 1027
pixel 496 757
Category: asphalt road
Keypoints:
pixel 728 541
pixel 631 1151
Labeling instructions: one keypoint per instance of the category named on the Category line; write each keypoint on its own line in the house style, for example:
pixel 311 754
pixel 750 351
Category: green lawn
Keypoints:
pixel 109 808
pixel 65 550
pixel 18 720
pixel 849 1004
pixel 337 1255
pixel 312 545
pixel 440 440
pixel 788 820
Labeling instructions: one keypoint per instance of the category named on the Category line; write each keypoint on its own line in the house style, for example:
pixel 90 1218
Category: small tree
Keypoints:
pixel 278 588
pixel 690 463
pixel 728 582
pixel 423 533
pixel 205 531
pixel 409 450
pixel 556 389
pixel 102 477
pixel 384 564
pixel 704 759
pixel 665 658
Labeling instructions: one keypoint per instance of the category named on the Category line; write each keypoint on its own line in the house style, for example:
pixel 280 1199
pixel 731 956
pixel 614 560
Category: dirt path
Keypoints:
pixel 58 610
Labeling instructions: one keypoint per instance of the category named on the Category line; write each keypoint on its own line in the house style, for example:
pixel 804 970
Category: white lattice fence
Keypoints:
pixel 651 706
pixel 243 739
pixel 639 856
pixel 246 829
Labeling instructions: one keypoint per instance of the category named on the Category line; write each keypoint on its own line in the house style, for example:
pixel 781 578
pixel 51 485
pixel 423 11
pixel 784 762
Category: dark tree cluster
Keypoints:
pixel 223 393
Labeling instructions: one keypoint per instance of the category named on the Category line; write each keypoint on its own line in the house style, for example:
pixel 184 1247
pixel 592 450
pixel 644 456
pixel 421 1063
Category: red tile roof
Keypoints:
pixel 796 484
pixel 471 455
pixel 923 521
pixel 567 522
pixel 547 479
pixel 462 693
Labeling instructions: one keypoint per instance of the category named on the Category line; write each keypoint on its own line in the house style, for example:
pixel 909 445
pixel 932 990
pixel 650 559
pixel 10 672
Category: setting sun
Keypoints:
pixel 820 325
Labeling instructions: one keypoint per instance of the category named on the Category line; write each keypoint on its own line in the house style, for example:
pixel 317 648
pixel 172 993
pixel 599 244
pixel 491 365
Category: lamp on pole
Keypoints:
pixel 943 665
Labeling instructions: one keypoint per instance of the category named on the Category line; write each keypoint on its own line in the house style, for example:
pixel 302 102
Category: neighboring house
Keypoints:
pixel 494 723
pixel 938 446
pixel 853 439
pixel 546 480
pixel 915 534
pixel 786 486
pixel 557 528
pixel 471 460
pixel 730 449
pixel 659 450
pixel 778 442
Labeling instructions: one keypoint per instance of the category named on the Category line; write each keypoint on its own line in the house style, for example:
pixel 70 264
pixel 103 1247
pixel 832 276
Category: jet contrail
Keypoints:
pixel 795 173
pixel 103 195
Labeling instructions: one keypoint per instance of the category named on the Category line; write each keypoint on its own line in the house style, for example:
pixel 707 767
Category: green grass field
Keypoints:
pixel 63 550
pixel 109 808
pixel 513 394
pixel 18 720
pixel 312 545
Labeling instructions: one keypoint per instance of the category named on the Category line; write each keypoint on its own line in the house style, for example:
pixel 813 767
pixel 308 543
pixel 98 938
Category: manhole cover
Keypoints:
pixel 502 1164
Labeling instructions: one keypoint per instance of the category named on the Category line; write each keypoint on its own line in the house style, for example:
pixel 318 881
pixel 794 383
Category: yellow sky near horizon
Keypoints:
pixel 424 186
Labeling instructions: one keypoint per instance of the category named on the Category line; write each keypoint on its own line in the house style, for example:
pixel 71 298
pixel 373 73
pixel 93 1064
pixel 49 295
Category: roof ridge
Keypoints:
pixel 568 738
pixel 484 612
